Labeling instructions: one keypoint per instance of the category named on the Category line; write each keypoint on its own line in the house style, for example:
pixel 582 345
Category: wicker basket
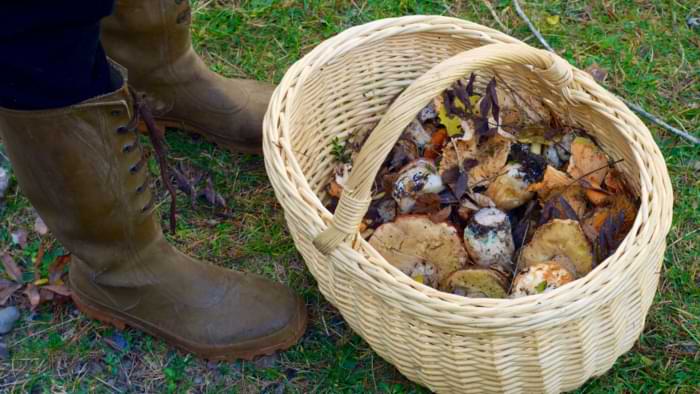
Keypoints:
pixel 385 72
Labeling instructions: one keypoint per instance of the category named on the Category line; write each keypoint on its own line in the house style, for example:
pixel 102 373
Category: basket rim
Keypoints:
pixel 599 282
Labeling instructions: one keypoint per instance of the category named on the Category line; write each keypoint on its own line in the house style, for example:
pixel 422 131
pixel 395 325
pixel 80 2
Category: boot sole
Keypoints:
pixel 241 351
pixel 210 137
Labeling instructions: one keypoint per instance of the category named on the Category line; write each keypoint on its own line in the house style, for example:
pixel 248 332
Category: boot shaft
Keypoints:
pixel 84 171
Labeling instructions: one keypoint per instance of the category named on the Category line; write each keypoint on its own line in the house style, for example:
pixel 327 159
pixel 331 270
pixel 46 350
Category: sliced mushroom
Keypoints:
pixel 417 246
pixel 510 190
pixel 540 278
pixel 477 283
pixel 489 240
pixel 562 240
pixel 417 177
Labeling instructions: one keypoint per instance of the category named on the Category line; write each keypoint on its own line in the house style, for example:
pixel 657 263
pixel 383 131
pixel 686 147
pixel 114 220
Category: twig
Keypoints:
pixel 495 16
pixel 635 107
pixel 532 27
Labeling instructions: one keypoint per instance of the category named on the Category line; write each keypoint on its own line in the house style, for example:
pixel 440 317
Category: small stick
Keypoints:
pixel 634 107
pixel 495 16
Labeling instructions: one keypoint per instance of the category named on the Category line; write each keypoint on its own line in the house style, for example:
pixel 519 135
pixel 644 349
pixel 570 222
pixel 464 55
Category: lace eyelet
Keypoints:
pixel 128 147
pixel 122 130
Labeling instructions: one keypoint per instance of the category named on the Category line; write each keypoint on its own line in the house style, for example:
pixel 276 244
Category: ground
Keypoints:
pixel 651 57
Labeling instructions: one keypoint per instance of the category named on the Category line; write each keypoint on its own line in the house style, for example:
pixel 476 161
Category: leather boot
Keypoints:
pixel 151 38
pixel 83 169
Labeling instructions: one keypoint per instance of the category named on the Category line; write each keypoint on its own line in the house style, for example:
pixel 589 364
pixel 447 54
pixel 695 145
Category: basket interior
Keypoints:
pixel 353 91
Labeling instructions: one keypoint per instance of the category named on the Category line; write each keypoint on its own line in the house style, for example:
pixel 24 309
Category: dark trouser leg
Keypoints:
pixel 50 53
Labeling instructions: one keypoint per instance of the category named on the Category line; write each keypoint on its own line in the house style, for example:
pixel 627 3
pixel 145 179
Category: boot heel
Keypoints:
pixel 96 314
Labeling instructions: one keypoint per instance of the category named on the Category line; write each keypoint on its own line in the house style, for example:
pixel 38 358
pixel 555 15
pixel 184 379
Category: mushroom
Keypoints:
pixel 561 240
pixel 540 278
pixel 418 177
pixel 476 282
pixel 489 240
pixel 423 250
pixel 510 190
pixel 416 133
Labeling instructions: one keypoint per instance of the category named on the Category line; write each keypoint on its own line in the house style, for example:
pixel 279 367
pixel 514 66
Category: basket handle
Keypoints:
pixel 356 196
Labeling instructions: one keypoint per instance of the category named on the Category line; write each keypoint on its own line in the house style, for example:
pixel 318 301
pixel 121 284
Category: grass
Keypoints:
pixel 652 58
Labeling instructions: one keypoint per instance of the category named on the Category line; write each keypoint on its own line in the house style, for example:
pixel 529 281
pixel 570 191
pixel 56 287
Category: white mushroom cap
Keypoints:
pixel 489 240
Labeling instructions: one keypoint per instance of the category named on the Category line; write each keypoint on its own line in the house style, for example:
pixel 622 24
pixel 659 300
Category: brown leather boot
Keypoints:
pixel 84 171
pixel 151 38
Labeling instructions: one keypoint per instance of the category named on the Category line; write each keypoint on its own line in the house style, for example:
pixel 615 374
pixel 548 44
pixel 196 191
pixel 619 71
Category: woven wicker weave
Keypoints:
pixel 385 72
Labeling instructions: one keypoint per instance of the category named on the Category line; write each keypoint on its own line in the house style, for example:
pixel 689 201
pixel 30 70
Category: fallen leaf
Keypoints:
pixel 7 291
pixel 451 123
pixel 211 195
pixel 587 162
pixel 427 203
pixel 56 268
pixel 598 73
pixel 441 215
pixel 19 237
pixel 552 20
pixel 40 226
pixel 58 289
pixel 32 293
pixel 37 261
pixel 11 268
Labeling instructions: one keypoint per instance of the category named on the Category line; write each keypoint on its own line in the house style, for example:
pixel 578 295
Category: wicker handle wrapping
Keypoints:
pixel 356 195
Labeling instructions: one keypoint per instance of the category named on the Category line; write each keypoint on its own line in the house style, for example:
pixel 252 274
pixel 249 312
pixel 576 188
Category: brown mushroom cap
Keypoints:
pixel 587 161
pixel 561 240
pixel 509 190
pixel 540 278
pixel 414 240
pixel 476 282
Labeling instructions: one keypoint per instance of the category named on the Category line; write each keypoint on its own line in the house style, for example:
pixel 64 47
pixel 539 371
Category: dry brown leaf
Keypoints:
pixel 56 268
pixel 491 159
pixel 552 179
pixel 6 291
pixel 613 182
pixel 32 293
pixel 58 289
pixel 11 267
pixel 587 161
